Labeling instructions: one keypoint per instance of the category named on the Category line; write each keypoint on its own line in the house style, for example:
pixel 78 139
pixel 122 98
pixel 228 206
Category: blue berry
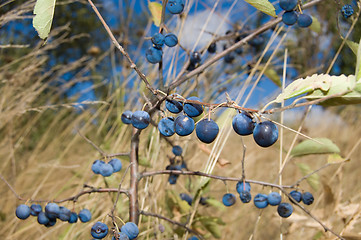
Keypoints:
pixel 243 187
pixel 131 229
pixel 229 58
pixel 96 166
pixel 73 217
pixel 42 218
pixel 106 170
pixel 186 198
pixel 183 125
pixel 245 196
pixel 265 133
pixel 177 150
pixel 243 124
pixel 195 58
pixel 307 198
pixel 192 109
pixel 260 200
pixel 99 230
pixel 158 40
pixel 207 130
pixel 296 195
pixel 175 6
pixel 193 238
pixel 64 214
pixel 153 55
pixel 35 209
pixel 289 18
pixel 304 20
pixel 166 126
pixel 116 164
pixel 140 119
pixel 120 236
pixel 127 117
pixel 212 48
pixel 347 11
pixel 274 198
pixel 22 211
pixel 52 222
pixel 228 199
pixel 172 179
pixel 256 41
pixel 288 5
pixel 170 40
pixel 285 210
pixel 84 215
pixel 173 106
pixel 52 210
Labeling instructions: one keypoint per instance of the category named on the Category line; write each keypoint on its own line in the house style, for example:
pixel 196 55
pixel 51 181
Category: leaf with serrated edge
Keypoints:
pixel 309 146
pixel 44 13
pixel 156 11
pixel 313 180
pixel 264 6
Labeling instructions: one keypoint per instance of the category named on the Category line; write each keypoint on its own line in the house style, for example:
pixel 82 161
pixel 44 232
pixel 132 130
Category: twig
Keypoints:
pixel 93 144
pixel 118 194
pixel 133 189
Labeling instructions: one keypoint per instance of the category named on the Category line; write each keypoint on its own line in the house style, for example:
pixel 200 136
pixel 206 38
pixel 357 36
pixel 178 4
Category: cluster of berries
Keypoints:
pixel 51 212
pixel 139 119
pixel 106 169
pixel 261 201
pixel 154 54
pixel 290 16
pixel 128 231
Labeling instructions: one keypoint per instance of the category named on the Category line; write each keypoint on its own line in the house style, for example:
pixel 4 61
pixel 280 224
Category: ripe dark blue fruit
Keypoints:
pixel 191 67
pixel 52 210
pixel 307 198
pixel 186 198
pixel 106 170
pixel 274 198
pixel 64 214
pixel 195 58
pixel 116 164
pixel 175 6
pixel 243 187
pixel 158 40
pixel 99 230
pixel 285 210
pixel 265 133
pixel 170 39
pixel 35 209
pixel 172 179
pixel 212 48
pixel 193 238
pixel 173 106
pixel 203 201
pixel 131 229
pixel 22 211
pixel 207 130
pixel 177 150
pixel 96 166
pixel 166 126
pixel 347 11
pixel 85 215
pixel 296 195
pixel 192 109
pixel 52 222
pixel 228 199
pixel 183 125
pixel 229 58
pixel 304 20
pixel 154 55
pixel 243 124
pixel 288 5
pixel 140 119
pixel 257 41
pixel 127 117
pixel 260 200
pixel 289 18
pixel 73 217
pixel 42 218
pixel 245 196
pixel 120 236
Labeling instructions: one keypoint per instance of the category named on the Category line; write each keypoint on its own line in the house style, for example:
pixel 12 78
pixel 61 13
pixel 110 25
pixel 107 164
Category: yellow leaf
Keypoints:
pixel 156 11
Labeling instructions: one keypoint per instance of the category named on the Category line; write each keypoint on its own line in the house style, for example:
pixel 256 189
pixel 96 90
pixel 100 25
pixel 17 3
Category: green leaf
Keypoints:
pixel 215 203
pixel 173 200
pixel 313 180
pixel 272 74
pixel 264 6
pixel 316 25
pixel 353 46
pixel 212 225
pixel 309 146
pixel 44 13
pixel 143 161
pixel 156 11
pixel 358 63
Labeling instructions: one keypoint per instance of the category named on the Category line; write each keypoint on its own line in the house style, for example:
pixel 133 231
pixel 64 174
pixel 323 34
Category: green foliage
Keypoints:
pixel 264 6
pixel 44 13
pixel 322 146
pixel 316 25
pixel 314 179
pixel 212 225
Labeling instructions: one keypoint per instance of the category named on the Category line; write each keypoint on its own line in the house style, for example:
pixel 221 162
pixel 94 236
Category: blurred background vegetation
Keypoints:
pixel 78 81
